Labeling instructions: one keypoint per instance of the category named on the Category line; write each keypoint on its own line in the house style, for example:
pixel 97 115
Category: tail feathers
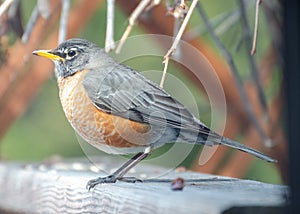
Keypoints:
pixel 241 147
pixel 210 138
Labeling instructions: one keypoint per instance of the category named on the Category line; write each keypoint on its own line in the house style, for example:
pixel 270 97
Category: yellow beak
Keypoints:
pixel 47 54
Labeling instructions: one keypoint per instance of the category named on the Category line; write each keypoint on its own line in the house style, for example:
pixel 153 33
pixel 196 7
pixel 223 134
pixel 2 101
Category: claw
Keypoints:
pixel 92 183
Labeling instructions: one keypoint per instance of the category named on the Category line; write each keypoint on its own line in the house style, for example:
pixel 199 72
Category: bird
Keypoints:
pixel 119 111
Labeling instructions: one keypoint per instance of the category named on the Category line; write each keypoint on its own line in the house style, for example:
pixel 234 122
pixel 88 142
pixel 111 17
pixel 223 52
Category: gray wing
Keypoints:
pixel 122 91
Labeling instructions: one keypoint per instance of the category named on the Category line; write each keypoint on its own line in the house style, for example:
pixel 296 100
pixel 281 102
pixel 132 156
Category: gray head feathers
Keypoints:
pixel 78 55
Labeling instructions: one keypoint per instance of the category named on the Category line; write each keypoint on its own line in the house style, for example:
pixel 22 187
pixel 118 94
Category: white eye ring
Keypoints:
pixel 71 53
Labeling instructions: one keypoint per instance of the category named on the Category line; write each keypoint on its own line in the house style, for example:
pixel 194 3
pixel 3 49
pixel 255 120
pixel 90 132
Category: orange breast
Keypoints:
pixel 94 125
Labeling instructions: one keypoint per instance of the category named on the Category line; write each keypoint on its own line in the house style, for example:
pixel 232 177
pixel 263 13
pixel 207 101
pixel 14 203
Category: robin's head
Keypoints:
pixel 73 56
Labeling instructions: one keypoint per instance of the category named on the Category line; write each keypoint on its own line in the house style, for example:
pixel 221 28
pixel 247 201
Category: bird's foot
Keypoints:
pixel 92 183
pixel 110 179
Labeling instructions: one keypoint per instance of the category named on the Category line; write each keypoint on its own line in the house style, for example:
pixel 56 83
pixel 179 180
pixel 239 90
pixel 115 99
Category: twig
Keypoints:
pixel 44 8
pixel 177 23
pixel 109 38
pixel 132 19
pixel 178 10
pixel 41 9
pixel 176 41
pixel 253 50
pixel 153 4
pixel 220 20
pixel 232 19
pixel 254 69
pixel 221 23
pixel 14 18
pixel 31 22
pixel 228 57
pixel 163 76
pixel 63 21
pixel 4 6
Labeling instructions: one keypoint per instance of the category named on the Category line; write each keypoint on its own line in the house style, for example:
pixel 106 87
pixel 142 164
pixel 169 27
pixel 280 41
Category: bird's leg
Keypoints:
pixel 119 173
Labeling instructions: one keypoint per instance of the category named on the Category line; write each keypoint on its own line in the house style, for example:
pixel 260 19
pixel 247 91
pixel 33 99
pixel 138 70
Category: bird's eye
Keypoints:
pixel 71 53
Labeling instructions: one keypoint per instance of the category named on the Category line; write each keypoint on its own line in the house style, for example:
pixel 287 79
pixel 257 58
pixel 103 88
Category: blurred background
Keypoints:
pixel 33 126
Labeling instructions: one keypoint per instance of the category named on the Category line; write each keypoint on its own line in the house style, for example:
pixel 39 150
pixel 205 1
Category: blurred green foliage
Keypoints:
pixel 43 130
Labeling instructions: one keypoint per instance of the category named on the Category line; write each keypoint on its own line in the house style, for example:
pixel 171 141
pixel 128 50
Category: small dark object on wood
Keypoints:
pixel 178 184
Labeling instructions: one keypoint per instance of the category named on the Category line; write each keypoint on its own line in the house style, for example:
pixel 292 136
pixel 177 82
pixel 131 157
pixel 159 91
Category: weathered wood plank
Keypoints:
pixel 60 188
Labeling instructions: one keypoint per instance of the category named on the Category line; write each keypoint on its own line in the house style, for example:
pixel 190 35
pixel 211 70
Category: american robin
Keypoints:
pixel 118 110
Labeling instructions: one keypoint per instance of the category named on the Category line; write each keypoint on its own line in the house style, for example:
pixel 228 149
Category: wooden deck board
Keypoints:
pixel 60 188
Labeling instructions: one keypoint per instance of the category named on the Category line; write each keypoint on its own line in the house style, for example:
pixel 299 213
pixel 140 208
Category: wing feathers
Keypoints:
pixel 122 91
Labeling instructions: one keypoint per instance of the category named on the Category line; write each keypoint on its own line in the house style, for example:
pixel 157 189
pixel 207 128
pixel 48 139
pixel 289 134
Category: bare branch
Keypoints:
pixel 232 19
pixel 44 8
pixel 63 21
pixel 132 20
pixel 253 50
pixel 153 4
pixel 254 69
pixel 238 81
pixel 14 18
pixel 177 40
pixel 31 22
pixel 177 23
pixel 4 6
pixel 178 10
pixel 221 23
pixel 226 18
pixel 163 77
pixel 109 38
